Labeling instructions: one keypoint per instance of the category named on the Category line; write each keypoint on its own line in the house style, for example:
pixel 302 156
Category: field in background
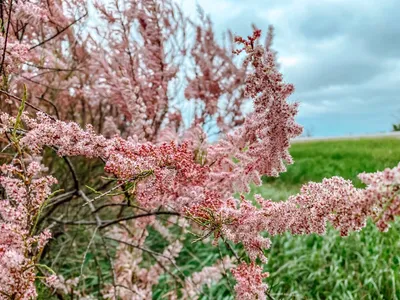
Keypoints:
pixel 364 265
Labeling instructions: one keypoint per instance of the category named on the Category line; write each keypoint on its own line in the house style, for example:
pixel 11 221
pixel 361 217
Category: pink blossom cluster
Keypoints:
pixel 166 172
pixel 215 77
pixel 136 74
pixel 20 247
pixel 67 286
pixel 32 13
pixel 18 53
pixel 260 146
pixel 334 200
pixel 383 189
pixel 67 137
pixel 250 284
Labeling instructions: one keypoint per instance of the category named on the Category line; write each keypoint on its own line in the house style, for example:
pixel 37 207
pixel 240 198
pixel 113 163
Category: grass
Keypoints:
pixel 364 265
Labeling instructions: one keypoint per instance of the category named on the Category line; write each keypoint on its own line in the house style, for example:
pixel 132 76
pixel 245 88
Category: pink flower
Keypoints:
pixel 250 284
pixel 18 211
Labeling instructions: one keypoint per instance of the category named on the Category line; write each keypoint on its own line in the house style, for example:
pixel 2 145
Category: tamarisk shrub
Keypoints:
pixel 20 250
pixel 20 247
pixel 130 108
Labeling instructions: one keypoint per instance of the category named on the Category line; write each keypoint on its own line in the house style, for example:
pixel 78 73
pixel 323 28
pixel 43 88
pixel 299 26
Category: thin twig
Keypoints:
pixel 92 208
pixel 52 104
pixel 111 204
pixel 72 170
pixel 5 41
pixel 52 69
pixel 105 193
pixel 106 223
pixel 172 213
pixel 86 252
pixel 26 103
pixel 58 32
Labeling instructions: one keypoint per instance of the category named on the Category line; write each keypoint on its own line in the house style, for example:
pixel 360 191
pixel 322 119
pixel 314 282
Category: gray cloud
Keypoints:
pixel 324 22
pixel 343 56
pixel 332 70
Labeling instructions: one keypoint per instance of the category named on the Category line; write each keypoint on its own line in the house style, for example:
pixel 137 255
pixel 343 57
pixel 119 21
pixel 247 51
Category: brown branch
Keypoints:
pixel 92 208
pixel 72 170
pixel 58 32
pixel 45 85
pixel 26 103
pixel 156 213
pixel 5 41
pixel 111 204
pixel 73 222
pixel 57 201
pixel 105 223
pixel 154 255
pixel 136 246
pixel 52 69
pixel 52 104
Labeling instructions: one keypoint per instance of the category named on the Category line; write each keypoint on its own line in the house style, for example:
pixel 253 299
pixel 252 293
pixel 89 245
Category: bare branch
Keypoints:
pixel 156 213
pixel 5 40
pixel 26 103
pixel 58 32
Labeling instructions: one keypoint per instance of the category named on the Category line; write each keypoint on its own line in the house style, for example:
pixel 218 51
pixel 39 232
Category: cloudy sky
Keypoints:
pixel 343 56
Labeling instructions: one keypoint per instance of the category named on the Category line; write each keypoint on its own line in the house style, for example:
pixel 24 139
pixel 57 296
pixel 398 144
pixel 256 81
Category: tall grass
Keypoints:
pixel 364 265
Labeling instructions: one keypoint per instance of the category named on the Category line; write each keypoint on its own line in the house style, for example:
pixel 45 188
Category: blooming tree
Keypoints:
pixel 145 114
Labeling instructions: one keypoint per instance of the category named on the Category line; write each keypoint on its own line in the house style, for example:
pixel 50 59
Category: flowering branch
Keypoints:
pixel 122 128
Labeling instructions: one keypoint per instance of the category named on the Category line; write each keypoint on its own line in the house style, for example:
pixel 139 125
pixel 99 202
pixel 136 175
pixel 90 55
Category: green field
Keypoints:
pixel 364 265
